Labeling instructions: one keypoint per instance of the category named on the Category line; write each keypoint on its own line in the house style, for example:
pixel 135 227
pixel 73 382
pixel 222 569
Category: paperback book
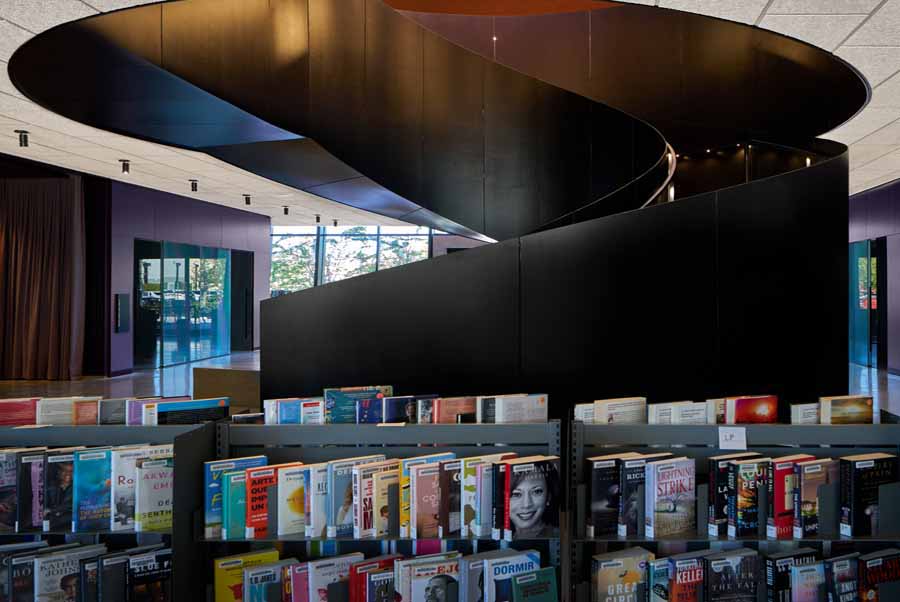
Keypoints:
pixel 405 465
pixel 340 404
pixel 807 581
pixel 360 570
pixel 686 577
pixel 847 409
pixel 93 490
pixel 425 496
pixel 625 410
pixel 29 491
pixel 778 572
pixel 500 570
pixel 58 490
pixel 532 499
pixel 89 586
pixel 535 586
pixel 670 498
pixel 327 571
pixel 258 482
pixel 780 484
pixel 315 498
pixel 340 493
pixel 262 582
pixel 55 411
pixel 805 413
pixel 150 576
pixel 732 576
pixel 363 482
pixel 809 477
pixel 842 578
pixel 111 411
pixel 57 576
pixel 85 411
pixel 18 412
pixel 7 553
pixel 745 479
pixel 291 505
pixel 438 580
pixel 386 503
pixel 717 521
pixel 123 463
pixel 509 409
pixel 184 412
pixel 400 409
pixel 369 411
pixel 449 523
pixel 658 580
pixel 604 493
pixel 425 410
pixel 155 483
pixel 620 576
pixel 380 586
pixel 312 411
pixel 860 478
pixel 469 499
pixel 212 485
pixel 752 409
pixel 631 481
pixel 228 573
pixel 447 409
pixel 234 505
pixel 8 464
pixel 877 568
pixel 403 573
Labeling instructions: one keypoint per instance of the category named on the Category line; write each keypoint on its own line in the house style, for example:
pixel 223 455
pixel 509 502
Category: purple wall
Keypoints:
pixel 153 215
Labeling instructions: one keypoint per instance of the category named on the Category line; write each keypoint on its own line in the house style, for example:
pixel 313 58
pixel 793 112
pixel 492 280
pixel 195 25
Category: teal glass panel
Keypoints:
pixel 860 300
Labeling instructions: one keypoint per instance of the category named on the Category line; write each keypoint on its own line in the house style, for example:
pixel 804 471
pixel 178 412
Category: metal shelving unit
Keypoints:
pixel 701 442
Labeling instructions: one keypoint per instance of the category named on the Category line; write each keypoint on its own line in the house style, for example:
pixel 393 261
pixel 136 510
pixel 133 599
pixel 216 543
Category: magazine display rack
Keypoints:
pixel 193 445
pixel 701 442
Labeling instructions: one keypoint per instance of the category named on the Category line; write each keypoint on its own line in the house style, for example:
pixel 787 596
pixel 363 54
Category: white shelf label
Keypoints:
pixel 733 437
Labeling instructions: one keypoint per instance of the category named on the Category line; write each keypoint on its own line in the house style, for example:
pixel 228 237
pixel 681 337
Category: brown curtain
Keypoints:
pixel 41 278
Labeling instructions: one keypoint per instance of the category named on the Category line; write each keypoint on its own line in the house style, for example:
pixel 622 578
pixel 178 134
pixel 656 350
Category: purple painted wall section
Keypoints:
pixel 153 215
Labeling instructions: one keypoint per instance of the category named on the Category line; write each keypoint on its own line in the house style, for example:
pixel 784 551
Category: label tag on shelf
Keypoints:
pixel 733 437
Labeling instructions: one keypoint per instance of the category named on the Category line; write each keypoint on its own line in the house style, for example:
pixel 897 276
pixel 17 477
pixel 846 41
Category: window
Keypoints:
pixel 293 262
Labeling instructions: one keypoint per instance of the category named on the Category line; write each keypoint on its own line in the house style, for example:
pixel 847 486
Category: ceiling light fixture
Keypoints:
pixel 193 185
pixel 708 150
pixel 246 199
pixel 23 138
pixel 126 166
pixel 335 223
pixel 285 209
pixel 318 218
pixel 808 161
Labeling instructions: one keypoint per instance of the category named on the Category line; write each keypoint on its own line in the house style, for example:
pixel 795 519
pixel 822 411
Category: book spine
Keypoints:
pixel 507 481
pixel 497 501
pixel 732 499
pixel 649 501
pixel 771 528
pixel 712 495
pixel 798 518
pixel 846 528
pixel 413 478
pixel 357 507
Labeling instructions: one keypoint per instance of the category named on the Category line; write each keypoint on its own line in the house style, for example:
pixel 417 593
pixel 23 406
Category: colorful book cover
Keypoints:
pixel 469 500
pixel 778 572
pixel 434 580
pixel 450 492
pixel 400 409
pixel 18 412
pixel 875 569
pixel 809 476
pixel 499 572
pixel 363 479
pixel 847 409
pixel 291 505
pixel 621 575
pixel 624 410
pixel 228 573
pixel 386 503
pixel 360 570
pixel 671 498
pixel 155 483
pixel 30 491
pixel 380 586
pixel 686 577
pixel 860 478
pixel 327 571
pixel 92 473
pixel 289 412
pixel 134 410
pixel 58 490
pixel 8 465
pixel 842 578
pixel 751 409
pixel 535 586
pixel 150 576
pixel 425 410
pixel 745 478
pixel 295 581
pixel 780 484
pixel 212 479
pixel 57 576
pixel 123 473
pixel 340 494
pixel 405 465
pixel 262 579
pixel 531 507
pixel 56 411
pixel 718 491
pixel 259 481
pixel 446 409
pixel 425 496
pixel 403 571
pixel 369 411
pixel 340 404
pixel 315 497
pixel 234 505
pixel 732 576
pixel 7 553
pixel 658 580
pixel 86 412
pixel 312 411
pixel 806 582
pixel 631 480
pixel 184 412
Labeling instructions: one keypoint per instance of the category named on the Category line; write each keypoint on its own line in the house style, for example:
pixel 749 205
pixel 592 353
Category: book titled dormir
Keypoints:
pixel 624 410
pixel 861 476
pixel 847 409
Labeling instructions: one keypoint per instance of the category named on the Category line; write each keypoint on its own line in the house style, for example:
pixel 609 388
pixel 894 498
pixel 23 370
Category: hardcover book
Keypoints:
pixel 88 588
pixel 386 503
pixel 93 489
pixel 264 579
pixel 405 465
pixel 21 576
pixel 500 570
pixel 58 490
pixel 18 412
pixel 751 409
pixel 624 410
pixel 842 578
pixel 155 481
pixel 7 553
pixel 449 524
pixel 291 505
pixel 364 509
pixel 85 411
pixel 327 571
pixel 717 521
pixel 113 578
pixel 111 411
pixel 437 580
pixel 877 568
pixel 778 572
pixel 471 573
pixel 259 480
pixel 212 485
pixel 446 409
pixel 686 577
pixel 8 465
pixel 604 493
pixel 369 411
pixel 498 495
pixel 29 506
pixel 55 411
pixel 535 586
pixel 732 576
pixel 295 582
pixel 847 409
pixel 184 412
pixel 150 576
pixel 469 499
pixel 403 572
pixel 670 497
pixel 379 586
pixel 807 581
pixel 315 498
pixel 425 410
pixel 312 411
pixel 860 478
pixel 620 576
pixel 57 576
pixel 425 496
pixel 631 479
pixel 123 474
pixel 400 409
pixel 228 573
pixel 340 404
pixel 805 413
pixel 658 580
pixel 745 478
pixel 809 477
pixel 780 484
pixel 531 498
pixel 360 570
pixel 234 505
pixel 340 493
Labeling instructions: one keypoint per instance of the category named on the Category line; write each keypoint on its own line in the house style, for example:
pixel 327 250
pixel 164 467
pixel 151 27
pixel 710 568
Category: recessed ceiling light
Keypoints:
pixel 335 223
pixel 126 166
pixel 286 209
pixel 318 218
pixel 23 138
pixel 193 185
pixel 246 199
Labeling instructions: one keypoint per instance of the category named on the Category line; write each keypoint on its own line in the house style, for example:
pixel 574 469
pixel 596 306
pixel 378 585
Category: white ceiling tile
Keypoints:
pixel 824 31
pixel 745 11
pixel 38 15
pixel 877 63
pixel 887 94
pixel 884 164
pixel 861 154
pixel 105 6
pixel 869 120
pixel 820 7
pixel 11 37
pixel 882 29
pixel 889 134
pixel 6 85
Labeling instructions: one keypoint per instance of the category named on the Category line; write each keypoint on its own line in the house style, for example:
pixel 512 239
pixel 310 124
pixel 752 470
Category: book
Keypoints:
pixel 340 493
pixel 778 572
pixel 860 478
pixel 658 580
pixel 340 404
pixel 510 409
pixel 847 409
pixel 153 493
pixel 379 586
pixel 184 412
pixel 123 462
pixel 18 412
pixel 7 553
pixel 112 584
pixel 234 505
pixel 446 409
pixel 291 504
pixel 89 580
pixel 86 411
pixel 315 498
pixel 228 573
pixel 212 485
pixel 312 411
pixel 664 413
pixel 686 576
pixel 584 412
pixel 150 576
pixel 751 409
pixel 360 570
pixel 9 461
pixel 21 575
pixel 531 505
pixel 57 576
pixel 399 409
pixel 362 479
pixel 535 586
pixel 807 581
pixel 469 499
pixel 450 488
pixel 29 506
pixel 631 482
pixel 260 482
pixel 403 572
pixel 670 497
pixel 261 580
pixel 623 410
pixel 499 571
pixel 254 418
pixel 92 490
pixel 111 411
pixel 295 582
pixel 58 490
pixel 471 573
pixel 405 465
pixel 437 580
pixel 715 411
pixel 690 413
pixel 425 410
pixel 55 411
pixel 425 500
pixel 717 494
pixel 877 568
pixel 809 476
pixel 842 578
pixel 620 576
pixel 805 413
pixel 780 484
pixel 732 576
pixel 369 411
pixel 327 571
pixel 746 477
pixel 281 411
pixel 134 410
pixel 386 503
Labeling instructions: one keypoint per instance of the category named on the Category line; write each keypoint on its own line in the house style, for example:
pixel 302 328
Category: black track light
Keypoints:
pixel 193 185
pixel 286 210
pixel 246 199
pixel 318 218
pixel 335 223
pixel 126 166
pixel 23 138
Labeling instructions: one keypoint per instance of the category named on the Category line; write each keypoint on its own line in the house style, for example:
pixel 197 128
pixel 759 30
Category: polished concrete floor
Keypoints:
pixel 168 382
